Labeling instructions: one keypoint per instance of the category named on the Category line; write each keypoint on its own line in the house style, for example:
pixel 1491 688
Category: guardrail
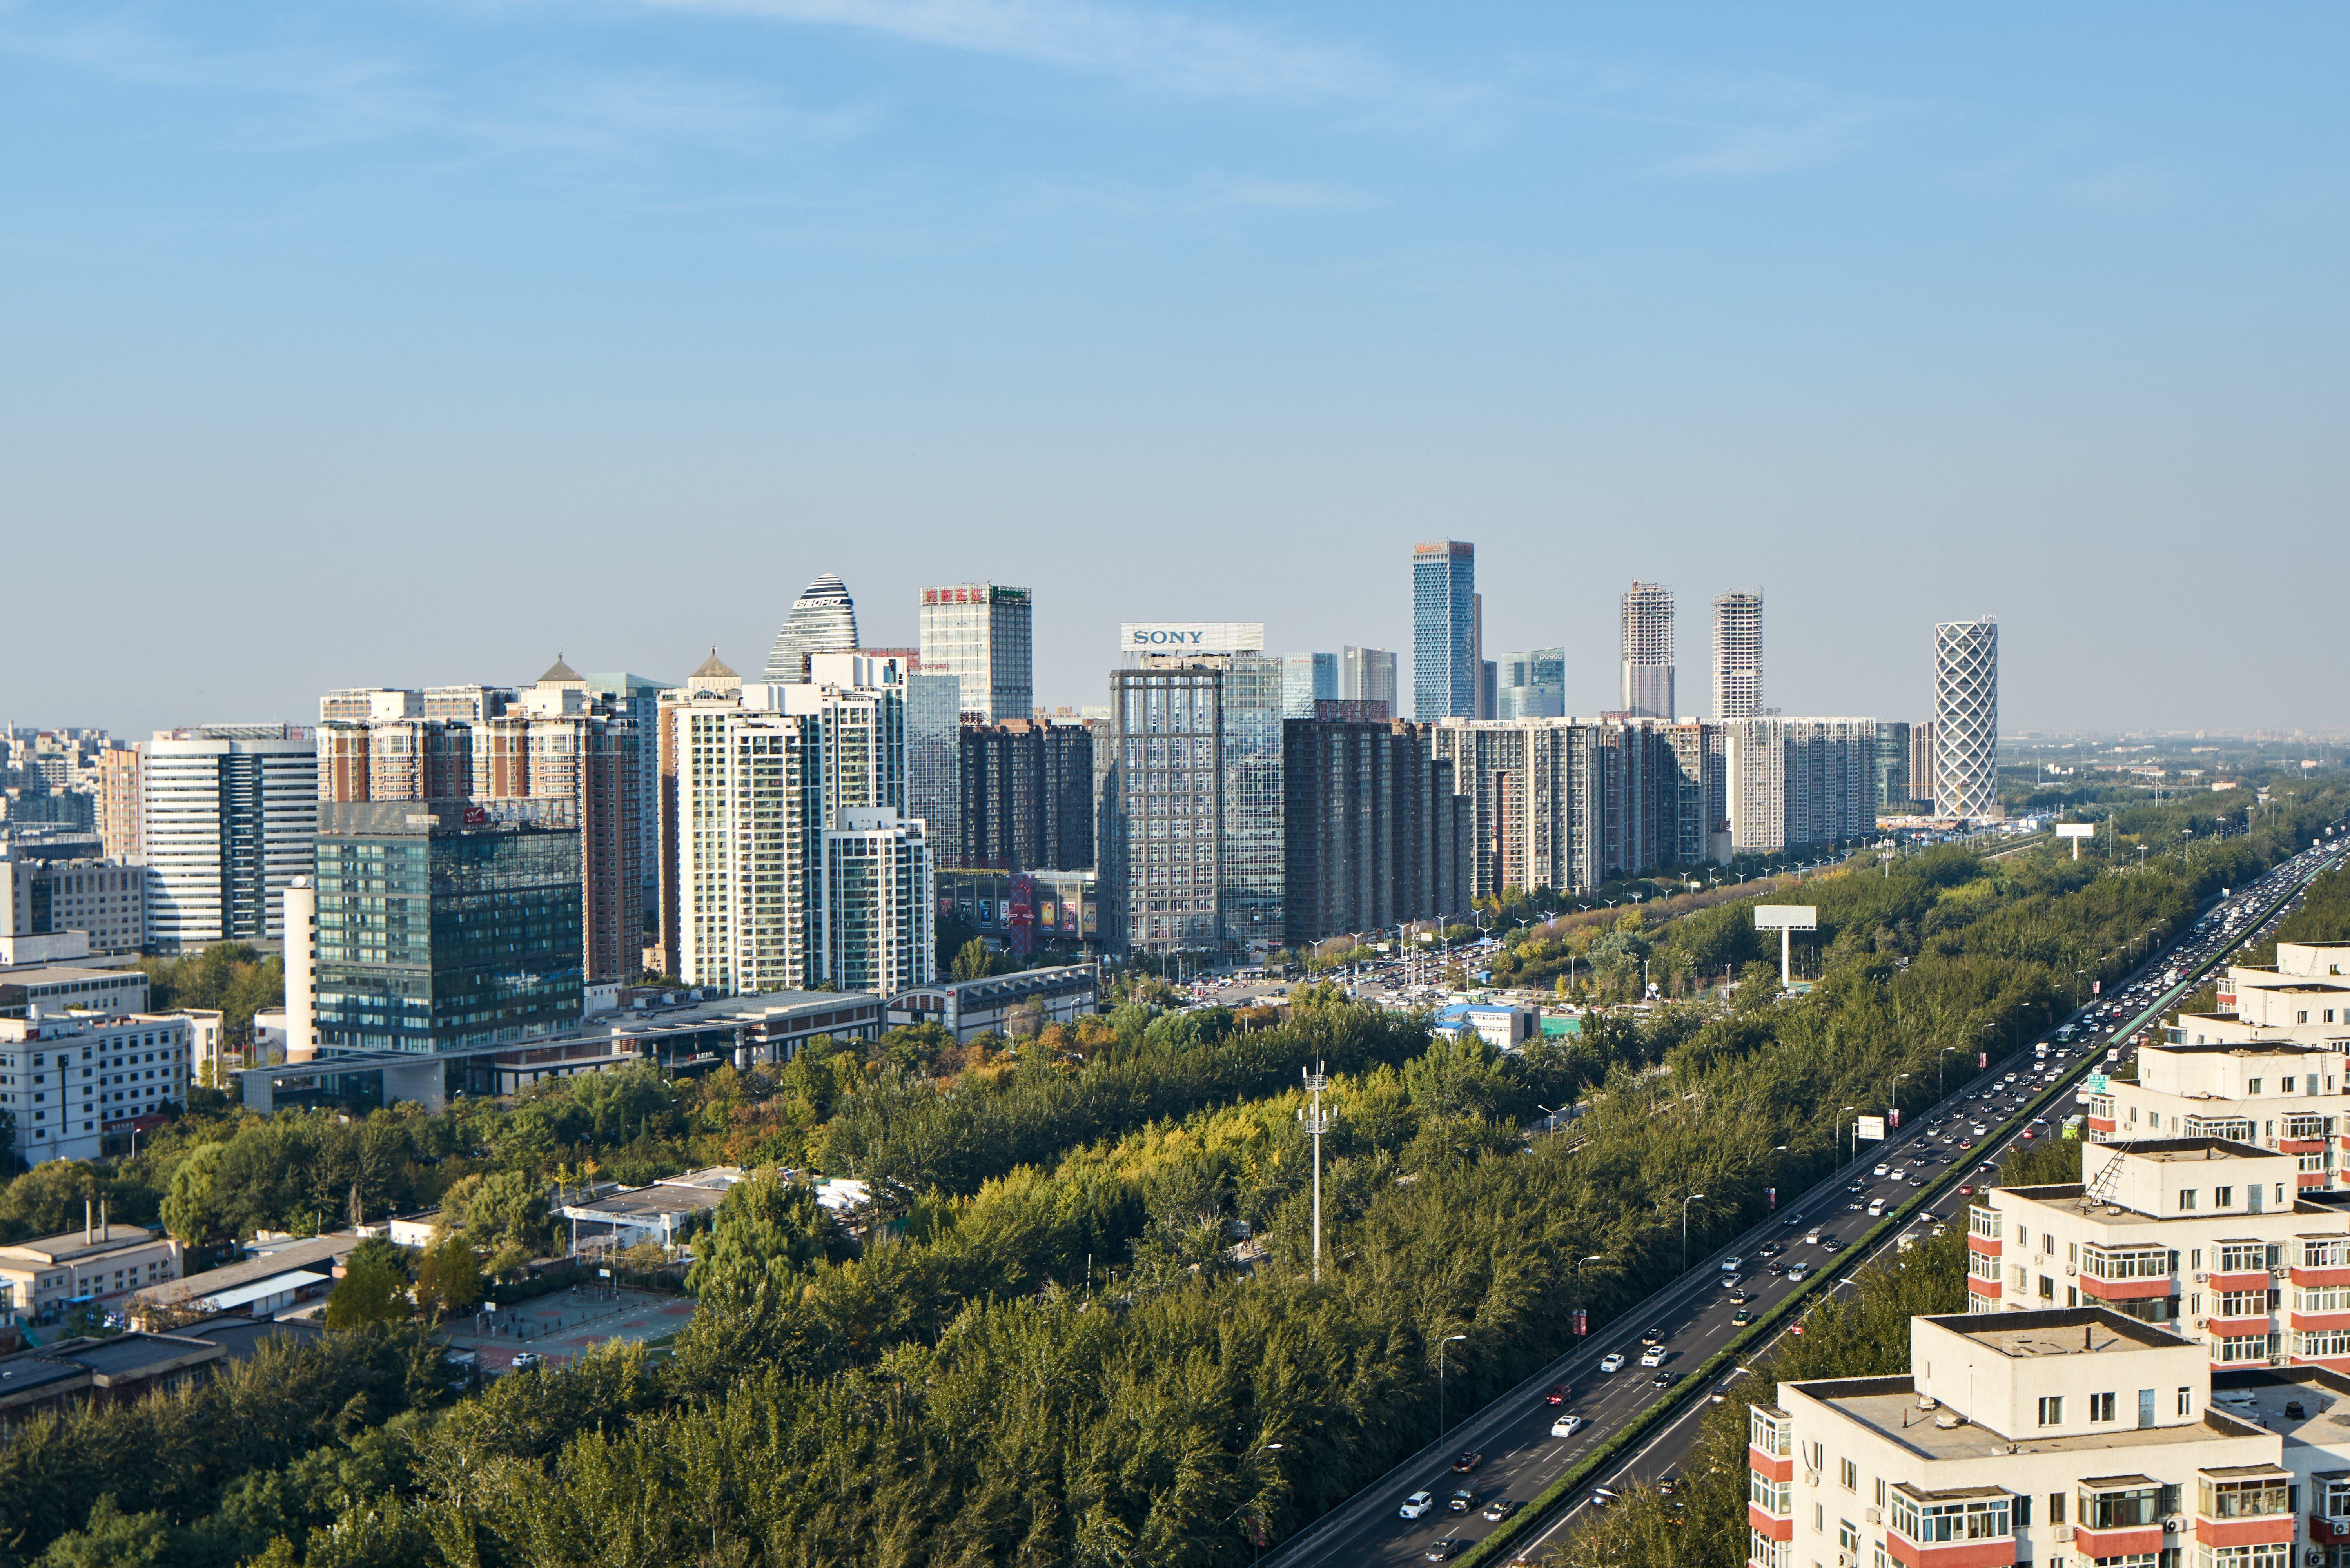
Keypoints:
pixel 1547 1502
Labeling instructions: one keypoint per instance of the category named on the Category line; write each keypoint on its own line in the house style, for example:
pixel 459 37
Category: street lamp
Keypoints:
pixel 1941 1075
pixel 1553 1115
pixel 1855 1132
pixel 1594 1258
pixel 1440 1379
pixel 1685 1203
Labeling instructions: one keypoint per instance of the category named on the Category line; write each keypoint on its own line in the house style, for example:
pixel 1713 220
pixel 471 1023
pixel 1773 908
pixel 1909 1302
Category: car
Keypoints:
pixel 1742 1316
pixel 1462 1500
pixel 1858 1186
pixel 1664 1484
pixel 1612 1362
pixel 1789 1223
pixel 1501 1508
pixel 1417 1504
pixel 1560 1393
pixel 1732 1265
pixel 1916 1181
pixel 1443 1550
pixel 1653 1356
pixel 1601 1497
pixel 1771 1248
pixel 1799 1273
pixel 1663 1379
pixel 1814 1239
pixel 1899 1174
pixel 1832 1245
pixel 1466 1463
pixel 1880 1170
pixel 1566 1426
pixel 2011 1077
pixel 1740 1298
pixel 1653 1336
pixel 525 1360
pixel 1730 1282
pixel 1854 1207
pixel 1777 1267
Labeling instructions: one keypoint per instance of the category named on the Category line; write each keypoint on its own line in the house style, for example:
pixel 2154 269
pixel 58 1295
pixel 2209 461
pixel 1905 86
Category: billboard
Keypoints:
pixel 1870 1129
pixel 1191 636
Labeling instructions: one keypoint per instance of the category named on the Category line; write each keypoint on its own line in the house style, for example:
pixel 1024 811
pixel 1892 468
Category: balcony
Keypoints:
pixel 2127 1542
pixel 2129 1290
pixel 1984 1246
pixel 1763 1465
pixel 1997 1552
pixel 1769 1526
pixel 2324 1530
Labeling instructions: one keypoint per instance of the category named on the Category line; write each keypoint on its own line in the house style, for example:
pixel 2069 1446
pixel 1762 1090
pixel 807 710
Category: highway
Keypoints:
pixel 1696 1314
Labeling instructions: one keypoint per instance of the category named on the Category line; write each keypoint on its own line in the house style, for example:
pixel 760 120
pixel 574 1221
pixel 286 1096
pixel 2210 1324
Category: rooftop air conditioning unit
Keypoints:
pixel 2174 1523
pixel 1949 1419
pixel 2063 1533
pixel 1873 1516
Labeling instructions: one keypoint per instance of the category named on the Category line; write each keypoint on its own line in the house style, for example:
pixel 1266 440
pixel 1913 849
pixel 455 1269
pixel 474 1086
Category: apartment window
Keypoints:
pixel 2187 1401
pixel 1847 1539
pixel 2253 1086
pixel 1976 1519
pixel 1849 1474
pixel 2186 1199
pixel 2125 1509
pixel 2223 1197
pixel 2101 1407
pixel 2056 1508
pixel 1880 1492
pixel 2250 1498
pixel 2051 1411
pixel 1772 1497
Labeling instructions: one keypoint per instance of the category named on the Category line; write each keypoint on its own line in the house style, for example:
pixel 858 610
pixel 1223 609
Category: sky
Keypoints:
pixel 393 343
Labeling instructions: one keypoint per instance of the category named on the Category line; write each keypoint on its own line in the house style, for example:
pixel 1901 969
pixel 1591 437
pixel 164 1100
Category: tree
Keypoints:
pixel 111 1539
pixel 373 1290
pixel 448 1278
pixel 192 1209
pixel 974 961
pixel 766 1225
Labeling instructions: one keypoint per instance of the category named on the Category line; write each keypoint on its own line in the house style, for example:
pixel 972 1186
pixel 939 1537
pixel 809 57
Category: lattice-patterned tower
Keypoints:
pixel 1966 718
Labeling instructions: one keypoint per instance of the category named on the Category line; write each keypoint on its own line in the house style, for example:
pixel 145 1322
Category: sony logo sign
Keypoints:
pixel 1154 636
pixel 1191 636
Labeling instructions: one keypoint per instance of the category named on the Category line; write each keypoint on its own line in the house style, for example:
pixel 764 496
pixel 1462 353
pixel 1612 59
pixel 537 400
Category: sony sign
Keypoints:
pixel 1191 636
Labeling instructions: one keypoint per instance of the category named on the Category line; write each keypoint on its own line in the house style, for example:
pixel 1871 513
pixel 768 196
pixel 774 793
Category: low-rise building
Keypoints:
pixel 657 1213
pixel 1504 1028
pixel 1029 999
pixel 54 988
pixel 2042 1437
pixel 98 1265
pixel 273 1276
pixel 99 1371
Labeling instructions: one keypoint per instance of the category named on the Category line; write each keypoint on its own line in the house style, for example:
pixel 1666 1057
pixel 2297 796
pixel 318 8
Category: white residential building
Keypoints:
pixel 2077 1439
pixel 70 1080
pixel 982 634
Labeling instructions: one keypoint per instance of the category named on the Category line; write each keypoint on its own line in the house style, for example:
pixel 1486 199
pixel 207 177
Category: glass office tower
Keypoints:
pixel 1444 653
pixel 446 923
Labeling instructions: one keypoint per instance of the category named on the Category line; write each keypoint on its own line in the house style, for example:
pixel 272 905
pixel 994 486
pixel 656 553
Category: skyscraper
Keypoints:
pixel 1444 662
pixel 984 634
pixel 1530 684
pixel 1367 675
pixel 1966 718
pixel 1738 654
pixel 1306 679
pixel 823 620
pixel 227 814
pixel 1648 614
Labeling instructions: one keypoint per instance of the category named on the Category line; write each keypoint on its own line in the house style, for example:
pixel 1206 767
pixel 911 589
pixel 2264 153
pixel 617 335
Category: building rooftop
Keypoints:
pixel 284 1258
pixel 133 1355
pixel 2177 1150
pixel 1889 1406
pixel 77 1243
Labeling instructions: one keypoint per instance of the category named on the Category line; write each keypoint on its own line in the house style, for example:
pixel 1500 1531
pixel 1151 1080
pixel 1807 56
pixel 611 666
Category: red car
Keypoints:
pixel 1560 1393
pixel 1467 1462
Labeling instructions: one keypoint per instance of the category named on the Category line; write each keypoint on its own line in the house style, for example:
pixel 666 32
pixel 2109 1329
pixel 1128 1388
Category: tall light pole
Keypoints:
pixel 1685 1203
pixel 1448 1339
pixel 1941 1073
pixel 1315 1123
pixel 1855 1131
pixel 1594 1258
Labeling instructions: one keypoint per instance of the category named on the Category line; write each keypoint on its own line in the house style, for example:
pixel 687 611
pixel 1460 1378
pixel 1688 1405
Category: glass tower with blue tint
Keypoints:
pixel 1444 672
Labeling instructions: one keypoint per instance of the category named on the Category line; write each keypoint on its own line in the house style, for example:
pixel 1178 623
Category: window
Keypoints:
pixel 2187 1401
pixel 2244 1499
pixel 2324 1298
pixel 2125 1509
pixel 2051 1411
pixel 2186 1198
pixel 1847 1538
pixel 2223 1197
pixel 1880 1492
pixel 1768 1436
pixel 2141 1264
pixel 2243 1258
pixel 2056 1508
pixel 2236 1347
pixel 2101 1407
pixel 2242 1304
pixel 1772 1497
pixel 2318 1344
pixel 1764 1553
pixel 2251 1086
pixel 1968 1519
pixel 1849 1474
pixel 2274 1556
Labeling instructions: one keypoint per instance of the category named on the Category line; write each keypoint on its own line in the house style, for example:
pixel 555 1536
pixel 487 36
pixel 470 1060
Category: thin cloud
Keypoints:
pixel 1168 48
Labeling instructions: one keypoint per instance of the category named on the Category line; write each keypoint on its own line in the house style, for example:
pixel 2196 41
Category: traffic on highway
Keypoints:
pixel 1498 1460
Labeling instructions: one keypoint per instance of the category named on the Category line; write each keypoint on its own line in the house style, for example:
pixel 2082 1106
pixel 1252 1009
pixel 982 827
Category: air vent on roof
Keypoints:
pixel 1947 1419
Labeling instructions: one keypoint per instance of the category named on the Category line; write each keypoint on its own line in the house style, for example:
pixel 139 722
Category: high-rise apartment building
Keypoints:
pixel 1444 656
pixel 1566 803
pixel 227 813
pixel 1367 675
pixel 934 760
pixel 1373 833
pixel 790 797
pixel 1646 611
pixel 1921 763
pixel 984 633
pixel 1308 679
pixel 823 620
pixel 1738 654
pixel 118 803
pixel 443 924
pixel 1791 783
pixel 637 698
pixel 1966 718
pixel 1027 801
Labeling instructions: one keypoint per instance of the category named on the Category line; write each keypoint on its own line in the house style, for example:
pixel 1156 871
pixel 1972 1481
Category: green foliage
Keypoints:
pixel 766 1231
pixel 231 978
pixel 448 1276
pixel 373 1292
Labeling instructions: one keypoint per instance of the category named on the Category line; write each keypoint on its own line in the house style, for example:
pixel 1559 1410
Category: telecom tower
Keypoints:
pixel 1315 1121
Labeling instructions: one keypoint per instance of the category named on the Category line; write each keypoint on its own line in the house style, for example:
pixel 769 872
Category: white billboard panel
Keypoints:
pixel 1191 636
pixel 2076 830
pixel 1871 1129
pixel 1786 917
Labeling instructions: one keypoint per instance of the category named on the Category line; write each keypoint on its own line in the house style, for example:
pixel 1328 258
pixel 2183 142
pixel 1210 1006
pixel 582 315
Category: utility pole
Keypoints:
pixel 1315 1123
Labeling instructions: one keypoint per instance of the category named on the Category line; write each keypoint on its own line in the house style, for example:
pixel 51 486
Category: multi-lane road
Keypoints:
pixel 1698 1313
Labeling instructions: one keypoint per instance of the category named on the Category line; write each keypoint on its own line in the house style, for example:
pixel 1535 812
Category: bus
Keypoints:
pixel 2071 1127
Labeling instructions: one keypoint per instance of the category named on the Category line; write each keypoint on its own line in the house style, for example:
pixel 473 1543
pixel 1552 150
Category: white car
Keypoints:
pixel 1417 1504
pixel 1900 1175
pixel 1612 1362
pixel 1880 1170
pixel 1566 1426
pixel 1653 1356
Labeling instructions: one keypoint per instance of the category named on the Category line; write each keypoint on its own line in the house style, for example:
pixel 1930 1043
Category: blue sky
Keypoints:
pixel 407 343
